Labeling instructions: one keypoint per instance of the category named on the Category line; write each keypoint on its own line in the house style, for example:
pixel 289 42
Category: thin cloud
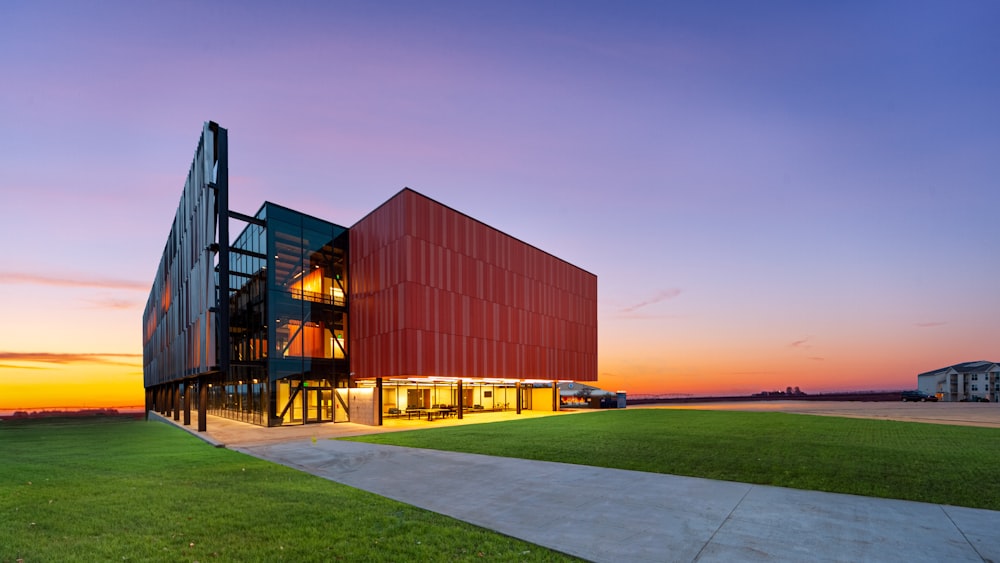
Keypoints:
pixel 9 366
pixel 817 359
pixel 661 295
pixel 66 358
pixel 76 281
pixel 801 344
pixel 931 324
pixel 114 303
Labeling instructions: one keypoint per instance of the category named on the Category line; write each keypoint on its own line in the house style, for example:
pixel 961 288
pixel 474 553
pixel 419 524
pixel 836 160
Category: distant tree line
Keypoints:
pixel 788 392
pixel 68 413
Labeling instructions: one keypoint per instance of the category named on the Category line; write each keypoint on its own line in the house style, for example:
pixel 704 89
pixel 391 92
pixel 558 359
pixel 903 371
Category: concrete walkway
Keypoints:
pixel 615 515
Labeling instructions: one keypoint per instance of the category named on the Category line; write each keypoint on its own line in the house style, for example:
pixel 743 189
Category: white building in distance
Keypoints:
pixel 969 381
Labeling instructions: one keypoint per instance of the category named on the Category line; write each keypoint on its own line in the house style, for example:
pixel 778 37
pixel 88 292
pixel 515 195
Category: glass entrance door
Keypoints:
pixel 318 402
pixel 312 404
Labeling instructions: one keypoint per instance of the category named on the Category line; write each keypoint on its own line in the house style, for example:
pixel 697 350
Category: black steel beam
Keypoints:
pixel 247 219
pixel 249 253
pixel 222 296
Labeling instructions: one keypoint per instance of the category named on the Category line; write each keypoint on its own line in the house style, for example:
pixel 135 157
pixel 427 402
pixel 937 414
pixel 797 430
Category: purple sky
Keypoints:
pixel 771 193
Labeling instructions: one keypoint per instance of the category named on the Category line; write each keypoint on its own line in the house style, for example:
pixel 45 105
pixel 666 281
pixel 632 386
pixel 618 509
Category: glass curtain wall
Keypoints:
pixel 400 396
pixel 242 394
pixel 288 321
pixel 307 317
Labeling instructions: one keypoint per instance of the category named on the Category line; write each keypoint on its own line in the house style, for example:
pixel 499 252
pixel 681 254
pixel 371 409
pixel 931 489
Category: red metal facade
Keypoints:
pixel 435 293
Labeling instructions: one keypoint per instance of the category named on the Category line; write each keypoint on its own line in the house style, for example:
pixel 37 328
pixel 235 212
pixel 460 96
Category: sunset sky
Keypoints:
pixel 771 193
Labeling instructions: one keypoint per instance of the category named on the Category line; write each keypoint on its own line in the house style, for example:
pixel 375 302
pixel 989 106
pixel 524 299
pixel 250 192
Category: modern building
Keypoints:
pixel 415 309
pixel 969 381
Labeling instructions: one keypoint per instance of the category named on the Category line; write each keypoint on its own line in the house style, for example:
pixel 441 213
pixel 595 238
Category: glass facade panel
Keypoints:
pixel 398 396
pixel 288 320
pixel 308 298
pixel 243 393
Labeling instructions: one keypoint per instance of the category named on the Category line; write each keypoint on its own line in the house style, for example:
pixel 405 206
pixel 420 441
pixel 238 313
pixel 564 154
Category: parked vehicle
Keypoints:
pixel 974 399
pixel 918 395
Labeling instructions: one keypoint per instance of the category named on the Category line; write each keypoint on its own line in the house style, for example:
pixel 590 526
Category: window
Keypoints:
pixel 975 387
pixel 975 377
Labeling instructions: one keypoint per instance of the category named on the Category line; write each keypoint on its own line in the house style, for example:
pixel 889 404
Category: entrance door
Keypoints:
pixel 312 402
pixel 326 405
pixel 318 402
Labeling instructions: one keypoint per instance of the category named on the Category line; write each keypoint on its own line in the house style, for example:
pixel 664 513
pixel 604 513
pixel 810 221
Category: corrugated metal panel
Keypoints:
pixel 437 293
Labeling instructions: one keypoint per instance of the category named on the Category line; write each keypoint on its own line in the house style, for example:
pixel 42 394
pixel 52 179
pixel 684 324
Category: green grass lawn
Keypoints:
pixel 116 489
pixel 936 463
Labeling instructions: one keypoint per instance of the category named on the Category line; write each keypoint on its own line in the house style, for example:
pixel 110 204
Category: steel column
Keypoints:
pixel 378 401
pixel 202 404
pixel 187 403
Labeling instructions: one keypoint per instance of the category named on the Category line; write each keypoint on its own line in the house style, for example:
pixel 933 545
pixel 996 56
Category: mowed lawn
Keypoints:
pixel 936 463
pixel 117 489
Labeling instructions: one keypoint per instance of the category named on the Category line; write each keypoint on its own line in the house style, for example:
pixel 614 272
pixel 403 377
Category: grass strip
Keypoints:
pixel 117 489
pixel 956 465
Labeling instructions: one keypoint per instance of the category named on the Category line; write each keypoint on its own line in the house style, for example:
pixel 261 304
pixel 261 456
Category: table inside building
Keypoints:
pixel 432 413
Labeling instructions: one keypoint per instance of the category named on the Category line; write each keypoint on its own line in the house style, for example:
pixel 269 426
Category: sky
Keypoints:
pixel 771 193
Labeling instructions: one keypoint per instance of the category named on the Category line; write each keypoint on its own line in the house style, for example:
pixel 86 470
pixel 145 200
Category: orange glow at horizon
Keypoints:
pixel 114 382
pixel 733 375
pixel 639 356
pixel 96 384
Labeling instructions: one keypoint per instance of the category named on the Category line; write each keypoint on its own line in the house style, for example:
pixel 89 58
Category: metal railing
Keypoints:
pixel 318 297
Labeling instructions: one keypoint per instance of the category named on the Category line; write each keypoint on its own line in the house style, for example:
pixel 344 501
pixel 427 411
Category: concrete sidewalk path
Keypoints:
pixel 615 515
